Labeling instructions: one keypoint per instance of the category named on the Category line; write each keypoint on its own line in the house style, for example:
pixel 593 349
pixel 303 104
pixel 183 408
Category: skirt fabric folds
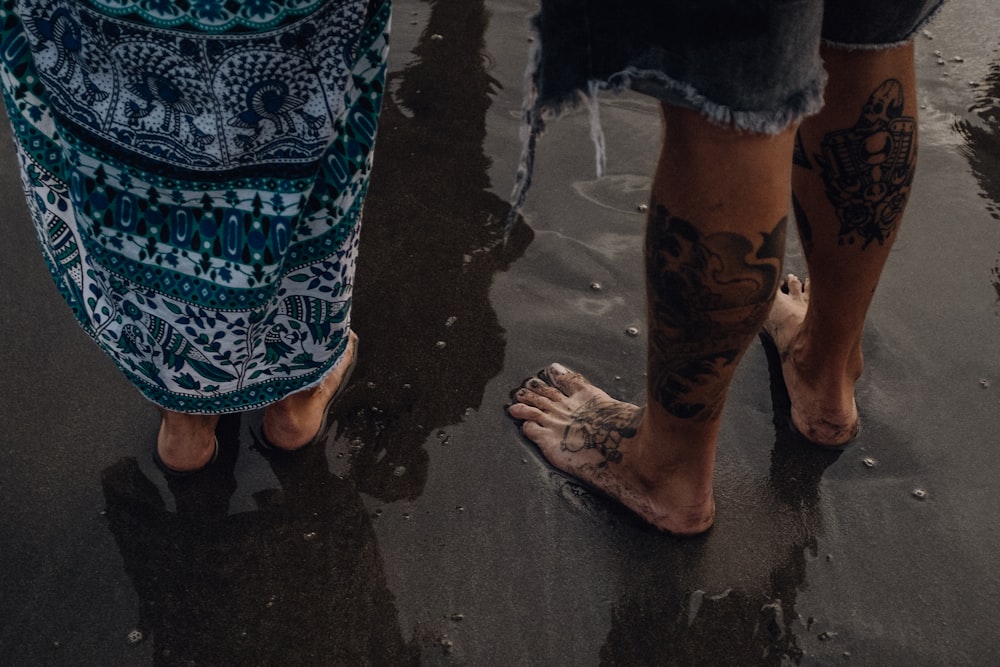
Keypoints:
pixel 195 173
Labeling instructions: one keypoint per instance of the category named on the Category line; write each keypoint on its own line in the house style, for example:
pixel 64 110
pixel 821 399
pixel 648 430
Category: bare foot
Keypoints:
pixel 186 442
pixel 604 443
pixel 823 406
pixel 295 421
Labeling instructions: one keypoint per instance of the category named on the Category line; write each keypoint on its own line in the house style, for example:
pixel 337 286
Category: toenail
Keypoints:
pixel 558 369
pixel 535 383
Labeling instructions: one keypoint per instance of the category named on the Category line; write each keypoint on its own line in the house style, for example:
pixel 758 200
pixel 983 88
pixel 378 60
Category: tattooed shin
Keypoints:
pixel 602 428
pixel 708 296
pixel 868 168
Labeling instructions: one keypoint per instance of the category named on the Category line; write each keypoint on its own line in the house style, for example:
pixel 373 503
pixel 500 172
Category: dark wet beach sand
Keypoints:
pixel 426 530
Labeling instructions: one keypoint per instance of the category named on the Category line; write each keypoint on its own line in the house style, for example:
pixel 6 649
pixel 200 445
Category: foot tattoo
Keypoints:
pixel 602 428
pixel 599 441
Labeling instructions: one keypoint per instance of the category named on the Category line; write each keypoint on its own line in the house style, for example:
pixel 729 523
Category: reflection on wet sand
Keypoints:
pixel 983 146
pixel 299 581
pixel 665 614
pixel 983 138
pixel 432 242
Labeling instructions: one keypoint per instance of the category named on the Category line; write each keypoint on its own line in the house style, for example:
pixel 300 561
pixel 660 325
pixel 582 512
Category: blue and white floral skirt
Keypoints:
pixel 196 172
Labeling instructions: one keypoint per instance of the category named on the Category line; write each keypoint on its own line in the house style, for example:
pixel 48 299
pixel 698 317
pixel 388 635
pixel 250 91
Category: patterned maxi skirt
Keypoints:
pixel 195 170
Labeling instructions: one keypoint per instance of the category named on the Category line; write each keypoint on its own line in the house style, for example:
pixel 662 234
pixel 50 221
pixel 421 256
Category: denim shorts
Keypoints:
pixel 750 64
pixel 753 64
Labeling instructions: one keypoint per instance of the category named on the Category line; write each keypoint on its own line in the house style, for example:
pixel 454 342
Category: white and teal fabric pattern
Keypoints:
pixel 196 171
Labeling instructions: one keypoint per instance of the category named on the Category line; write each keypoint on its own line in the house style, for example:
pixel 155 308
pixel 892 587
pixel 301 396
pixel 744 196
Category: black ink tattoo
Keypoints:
pixel 708 296
pixel 799 157
pixel 805 229
pixel 868 168
pixel 602 427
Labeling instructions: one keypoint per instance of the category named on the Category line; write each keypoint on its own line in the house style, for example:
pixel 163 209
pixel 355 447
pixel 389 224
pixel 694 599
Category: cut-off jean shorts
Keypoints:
pixel 753 65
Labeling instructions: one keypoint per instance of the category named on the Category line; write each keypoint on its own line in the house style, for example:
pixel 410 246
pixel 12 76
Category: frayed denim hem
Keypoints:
pixel 656 84
pixel 537 111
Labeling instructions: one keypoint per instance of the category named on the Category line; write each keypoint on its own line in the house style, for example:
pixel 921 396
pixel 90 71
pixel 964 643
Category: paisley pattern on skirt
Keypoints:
pixel 196 172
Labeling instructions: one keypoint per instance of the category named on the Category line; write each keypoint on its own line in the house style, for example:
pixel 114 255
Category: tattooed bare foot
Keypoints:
pixel 607 444
pixel 823 406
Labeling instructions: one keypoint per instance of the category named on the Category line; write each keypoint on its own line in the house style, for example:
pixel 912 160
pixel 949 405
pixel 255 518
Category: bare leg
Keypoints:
pixel 714 242
pixel 294 421
pixel 185 441
pixel 854 163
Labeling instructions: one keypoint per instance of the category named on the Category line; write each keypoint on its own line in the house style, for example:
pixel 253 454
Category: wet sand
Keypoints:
pixel 426 530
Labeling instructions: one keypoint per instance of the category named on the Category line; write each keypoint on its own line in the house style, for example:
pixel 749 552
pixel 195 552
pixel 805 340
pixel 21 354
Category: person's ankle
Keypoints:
pixel 824 366
pixel 672 462
pixel 291 423
pixel 186 441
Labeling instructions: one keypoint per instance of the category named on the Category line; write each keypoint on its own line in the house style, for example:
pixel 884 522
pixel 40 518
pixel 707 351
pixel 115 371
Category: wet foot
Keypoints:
pixel 186 442
pixel 295 421
pixel 823 407
pixel 605 443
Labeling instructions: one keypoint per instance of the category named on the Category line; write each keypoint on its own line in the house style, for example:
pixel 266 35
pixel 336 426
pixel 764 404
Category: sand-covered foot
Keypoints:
pixel 295 421
pixel 603 443
pixel 186 442
pixel 822 396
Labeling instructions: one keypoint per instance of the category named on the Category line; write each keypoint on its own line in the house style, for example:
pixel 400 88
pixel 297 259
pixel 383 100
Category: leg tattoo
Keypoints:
pixel 708 295
pixel 868 168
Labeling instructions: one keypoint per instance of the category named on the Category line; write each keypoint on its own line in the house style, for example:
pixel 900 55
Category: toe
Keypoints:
pixel 539 434
pixel 540 388
pixel 527 413
pixel 535 399
pixel 794 284
pixel 567 381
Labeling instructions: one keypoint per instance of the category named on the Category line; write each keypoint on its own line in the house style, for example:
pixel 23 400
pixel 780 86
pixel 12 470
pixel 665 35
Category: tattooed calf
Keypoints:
pixel 708 295
pixel 868 168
